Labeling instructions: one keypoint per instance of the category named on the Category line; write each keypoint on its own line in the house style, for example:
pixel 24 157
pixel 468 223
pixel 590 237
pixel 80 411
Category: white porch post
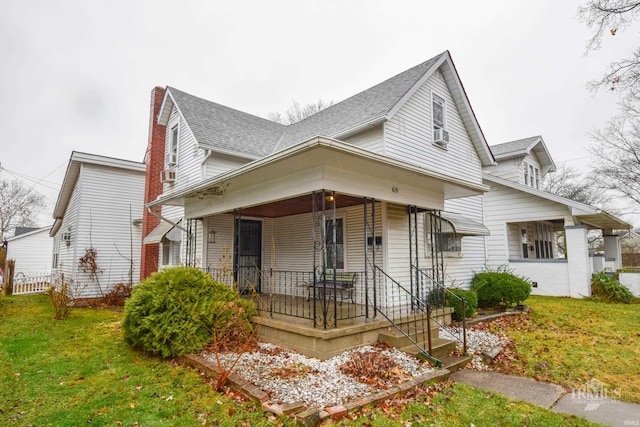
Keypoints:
pixel 579 265
pixel 612 251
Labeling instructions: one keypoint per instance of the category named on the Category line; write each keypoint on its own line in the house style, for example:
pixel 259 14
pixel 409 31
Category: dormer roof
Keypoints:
pixel 524 147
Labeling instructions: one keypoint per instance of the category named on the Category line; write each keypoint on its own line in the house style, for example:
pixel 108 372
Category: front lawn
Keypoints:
pixel 570 341
pixel 79 371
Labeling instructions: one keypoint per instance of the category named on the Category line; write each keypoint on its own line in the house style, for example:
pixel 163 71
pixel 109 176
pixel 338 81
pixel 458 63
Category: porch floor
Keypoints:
pixel 292 326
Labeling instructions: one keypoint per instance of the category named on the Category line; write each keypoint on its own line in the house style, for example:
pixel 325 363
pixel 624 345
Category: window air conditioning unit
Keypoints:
pixel 170 159
pixel 168 176
pixel 440 136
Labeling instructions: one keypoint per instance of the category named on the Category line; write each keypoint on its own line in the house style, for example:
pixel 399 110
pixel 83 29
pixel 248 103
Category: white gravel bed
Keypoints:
pixel 290 377
pixel 478 341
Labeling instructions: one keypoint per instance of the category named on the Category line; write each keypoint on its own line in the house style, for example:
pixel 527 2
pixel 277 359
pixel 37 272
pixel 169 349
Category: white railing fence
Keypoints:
pixel 24 284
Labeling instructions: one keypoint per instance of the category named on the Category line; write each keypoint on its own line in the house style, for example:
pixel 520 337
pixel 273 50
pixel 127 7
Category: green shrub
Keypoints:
pixel 471 302
pixel 607 289
pixel 500 287
pixel 181 310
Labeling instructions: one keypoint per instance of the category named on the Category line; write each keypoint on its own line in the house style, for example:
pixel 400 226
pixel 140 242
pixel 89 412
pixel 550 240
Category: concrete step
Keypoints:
pixel 440 348
pixel 397 339
pixel 454 363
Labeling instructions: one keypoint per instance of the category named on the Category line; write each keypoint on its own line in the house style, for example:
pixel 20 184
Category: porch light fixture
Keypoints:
pixel 211 236
pixel 330 198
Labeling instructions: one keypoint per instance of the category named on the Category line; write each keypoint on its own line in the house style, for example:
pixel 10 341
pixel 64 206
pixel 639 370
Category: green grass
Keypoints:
pixel 464 406
pixel 571 341
pixel 79 371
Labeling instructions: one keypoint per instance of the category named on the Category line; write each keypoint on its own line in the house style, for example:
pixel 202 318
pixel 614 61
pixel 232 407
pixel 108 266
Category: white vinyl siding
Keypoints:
pixel 523 208
pixel 31 251
pixel 510 169
pixel 371 139
pixel 111 199
pixel 66 253
pixel 460 271
pixel 220 163
pixel 190 157
pixel 409 135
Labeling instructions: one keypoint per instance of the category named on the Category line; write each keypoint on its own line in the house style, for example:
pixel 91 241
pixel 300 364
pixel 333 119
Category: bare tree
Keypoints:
pixel 568 182
pixel 19 206
pixel 296 113
pixel 617 156
pixel 608 17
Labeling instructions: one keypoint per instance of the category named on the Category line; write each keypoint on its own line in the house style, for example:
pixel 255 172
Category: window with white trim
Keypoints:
pixel 526 173
pixel 335 260
pixel 438 119
pixel 172 153
pixel 56 251
pixel 170 252
pixel 537 178
pixel 531 175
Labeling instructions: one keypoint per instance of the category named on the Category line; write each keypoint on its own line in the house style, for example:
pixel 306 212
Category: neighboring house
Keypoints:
pixel 345 206
pixel 523 221
pixel 31 250
pixel 99 208
pixel 630 242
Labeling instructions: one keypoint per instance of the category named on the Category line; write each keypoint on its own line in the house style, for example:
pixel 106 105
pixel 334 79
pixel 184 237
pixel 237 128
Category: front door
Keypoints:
pixel 248 255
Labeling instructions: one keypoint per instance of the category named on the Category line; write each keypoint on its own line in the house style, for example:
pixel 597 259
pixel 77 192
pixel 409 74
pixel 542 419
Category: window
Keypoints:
pixel 56 251
pixel 172 153
pixel 450 244
pixel 335 260
pixel 537 178
pixel 531 175
pixel 526 173
pixel 438 112
pixel 543 236
pixel 170 252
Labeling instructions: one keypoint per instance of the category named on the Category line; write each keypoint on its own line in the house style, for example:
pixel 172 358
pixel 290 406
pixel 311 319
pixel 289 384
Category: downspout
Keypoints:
pixel 203 163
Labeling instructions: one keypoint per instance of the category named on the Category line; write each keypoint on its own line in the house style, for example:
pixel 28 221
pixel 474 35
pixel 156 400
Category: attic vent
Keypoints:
pixel 440 137
pixel 168 176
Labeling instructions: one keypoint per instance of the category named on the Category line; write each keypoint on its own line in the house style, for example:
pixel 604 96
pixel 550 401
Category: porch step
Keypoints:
pixel 395 338
pixel 454 363
pixel 440 348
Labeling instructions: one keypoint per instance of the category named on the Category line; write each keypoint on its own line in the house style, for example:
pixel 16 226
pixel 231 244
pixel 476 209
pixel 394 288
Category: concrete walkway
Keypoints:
pixel 595 406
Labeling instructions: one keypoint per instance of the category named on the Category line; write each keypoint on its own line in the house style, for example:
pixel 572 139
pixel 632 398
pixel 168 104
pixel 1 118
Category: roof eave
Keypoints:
pixel 300 147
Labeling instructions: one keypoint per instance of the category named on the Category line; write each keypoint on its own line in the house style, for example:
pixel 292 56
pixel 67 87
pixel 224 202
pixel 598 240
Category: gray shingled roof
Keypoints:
pixel 361 108
pixel 217 126
pixel 507 148
pixel 221 127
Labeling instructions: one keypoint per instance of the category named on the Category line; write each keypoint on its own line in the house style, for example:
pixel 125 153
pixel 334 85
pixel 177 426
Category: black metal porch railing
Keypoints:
pixel 299 294
pixel 435 294
pixel 408 313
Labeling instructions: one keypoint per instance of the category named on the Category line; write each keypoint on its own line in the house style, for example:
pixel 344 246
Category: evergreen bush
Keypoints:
pixel 471 302
pixel 500 288
pixel 180 310
pixel 608 289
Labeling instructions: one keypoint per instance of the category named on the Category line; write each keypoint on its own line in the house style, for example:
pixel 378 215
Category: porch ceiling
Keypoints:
pixel 603 221
pixel 295 206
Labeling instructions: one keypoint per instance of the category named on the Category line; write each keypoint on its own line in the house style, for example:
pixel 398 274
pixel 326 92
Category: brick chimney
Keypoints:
pixel 154 159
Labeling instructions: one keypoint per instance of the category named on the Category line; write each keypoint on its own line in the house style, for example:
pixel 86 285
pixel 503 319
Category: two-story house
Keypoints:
pixel 345 207
pixel 97 219
pixel 524 220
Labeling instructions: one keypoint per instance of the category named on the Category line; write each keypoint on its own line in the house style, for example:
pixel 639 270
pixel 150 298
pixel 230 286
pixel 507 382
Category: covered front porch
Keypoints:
pixel 557 256
pixel 329 239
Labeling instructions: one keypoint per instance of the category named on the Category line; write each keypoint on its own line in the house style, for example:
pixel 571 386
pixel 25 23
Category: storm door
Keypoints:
pixel 248 255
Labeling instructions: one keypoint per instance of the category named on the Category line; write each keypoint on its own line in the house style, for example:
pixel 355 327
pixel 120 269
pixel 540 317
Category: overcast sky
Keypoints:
pixel 77 75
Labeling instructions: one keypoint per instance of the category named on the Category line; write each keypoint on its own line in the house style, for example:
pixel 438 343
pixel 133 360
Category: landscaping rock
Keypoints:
pixel 308 418
pixel 489 355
